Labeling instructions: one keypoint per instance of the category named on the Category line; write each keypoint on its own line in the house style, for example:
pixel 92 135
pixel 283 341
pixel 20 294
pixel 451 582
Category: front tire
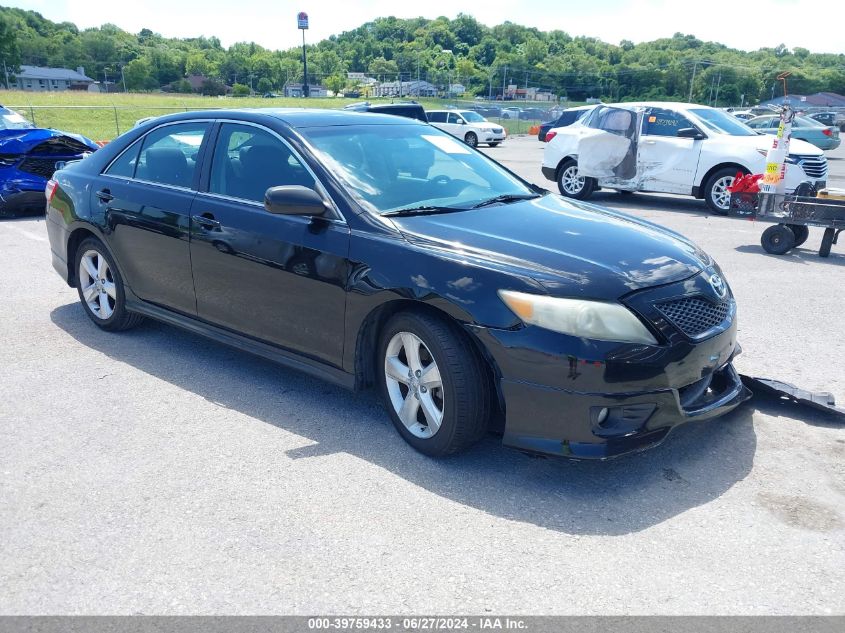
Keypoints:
pixel 716 192
pixel 571 185
pixel 777 239
pixel 471 139
pixel 101 289
pixel 432 383
pixel 493 144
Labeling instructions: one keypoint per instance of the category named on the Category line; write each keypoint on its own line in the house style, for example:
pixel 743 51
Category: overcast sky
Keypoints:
pixel 812 24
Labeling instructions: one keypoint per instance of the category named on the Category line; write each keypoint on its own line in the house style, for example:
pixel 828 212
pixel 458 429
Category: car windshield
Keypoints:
pixel 473 117
pixel 721 122
pixel 397 167
pixel 14 121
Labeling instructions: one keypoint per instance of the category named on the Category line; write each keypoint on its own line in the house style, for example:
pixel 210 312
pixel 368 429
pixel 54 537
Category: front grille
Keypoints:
pixel 695 315
pixel 44 167
pixel 813 166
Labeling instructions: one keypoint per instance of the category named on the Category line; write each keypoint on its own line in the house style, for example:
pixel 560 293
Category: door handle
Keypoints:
pixel 207 221
pixel 104 195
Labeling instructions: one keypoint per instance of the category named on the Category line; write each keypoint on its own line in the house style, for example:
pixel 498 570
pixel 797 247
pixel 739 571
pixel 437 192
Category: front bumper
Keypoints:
pixel 14 202
pixel 579 398
pixel 565 423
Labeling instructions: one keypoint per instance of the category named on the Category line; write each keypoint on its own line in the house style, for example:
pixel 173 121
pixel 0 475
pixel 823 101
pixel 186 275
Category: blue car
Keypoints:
pixel 28 157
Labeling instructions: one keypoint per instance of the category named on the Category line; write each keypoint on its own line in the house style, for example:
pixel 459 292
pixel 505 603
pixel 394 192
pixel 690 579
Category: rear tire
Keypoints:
pixel 571 185
pixel 432 383
pixel 777 239
pixel 827 242
pixel 716 195
pixel 100 288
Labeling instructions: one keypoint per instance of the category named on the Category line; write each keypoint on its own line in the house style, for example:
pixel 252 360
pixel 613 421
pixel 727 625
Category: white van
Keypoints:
pixel 469 126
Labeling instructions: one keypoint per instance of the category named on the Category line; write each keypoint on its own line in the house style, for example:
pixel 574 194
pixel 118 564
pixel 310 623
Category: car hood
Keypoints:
pixel 764 142
pixel 572 249
pixel 54 142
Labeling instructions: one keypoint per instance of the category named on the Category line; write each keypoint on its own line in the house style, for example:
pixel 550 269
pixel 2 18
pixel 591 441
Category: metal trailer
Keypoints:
pixel 792 215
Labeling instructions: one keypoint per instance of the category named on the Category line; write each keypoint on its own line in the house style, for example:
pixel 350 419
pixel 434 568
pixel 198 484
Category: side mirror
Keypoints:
pixel 690 132
pixel 462 122
pixel 294 200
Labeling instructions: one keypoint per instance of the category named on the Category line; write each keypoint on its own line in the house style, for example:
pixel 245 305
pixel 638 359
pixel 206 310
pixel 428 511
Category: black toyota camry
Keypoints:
pixel 372 250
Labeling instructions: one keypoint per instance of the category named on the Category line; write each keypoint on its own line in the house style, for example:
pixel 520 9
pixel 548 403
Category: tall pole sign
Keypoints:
pixel 302 24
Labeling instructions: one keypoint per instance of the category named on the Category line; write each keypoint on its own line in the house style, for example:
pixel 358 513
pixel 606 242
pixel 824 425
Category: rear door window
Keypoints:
pixel 169 154
pixel 124 165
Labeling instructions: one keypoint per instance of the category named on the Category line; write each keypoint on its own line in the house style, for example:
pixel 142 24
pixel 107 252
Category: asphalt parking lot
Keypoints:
pixel 155 472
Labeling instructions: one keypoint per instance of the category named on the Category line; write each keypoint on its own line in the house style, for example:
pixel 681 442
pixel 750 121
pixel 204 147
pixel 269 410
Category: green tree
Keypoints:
pixel 264 85
pixel 240 90
pixel 137 74
pixel 335 83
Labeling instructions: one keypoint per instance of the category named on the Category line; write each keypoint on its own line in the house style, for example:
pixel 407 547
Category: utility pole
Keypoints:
pixel 691 81
pixel 490 82
pixel 123 76
pixel 718 84
pixel 302 23
pixel 106 77
pixel 504 81
pixel 6 71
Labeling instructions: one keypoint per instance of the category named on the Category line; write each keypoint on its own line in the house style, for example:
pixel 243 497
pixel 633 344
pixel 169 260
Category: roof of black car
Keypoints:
pixel 304 117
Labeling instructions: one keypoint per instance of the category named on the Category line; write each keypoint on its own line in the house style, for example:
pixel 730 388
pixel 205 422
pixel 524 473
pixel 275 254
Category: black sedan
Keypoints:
pixel 470 299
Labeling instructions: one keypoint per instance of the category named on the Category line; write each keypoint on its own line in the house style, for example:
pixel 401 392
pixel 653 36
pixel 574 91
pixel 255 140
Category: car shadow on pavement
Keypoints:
pixel 697 463
pixel 639 201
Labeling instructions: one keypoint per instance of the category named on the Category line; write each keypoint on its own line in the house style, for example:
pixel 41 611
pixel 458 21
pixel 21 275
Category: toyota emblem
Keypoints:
pixel 718 285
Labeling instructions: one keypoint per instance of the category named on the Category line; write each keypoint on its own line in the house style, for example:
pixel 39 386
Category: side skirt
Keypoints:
pixel 246 344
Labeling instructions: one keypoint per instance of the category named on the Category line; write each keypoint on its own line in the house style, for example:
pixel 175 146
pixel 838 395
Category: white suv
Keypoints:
pixel 469 126
pixel 679 148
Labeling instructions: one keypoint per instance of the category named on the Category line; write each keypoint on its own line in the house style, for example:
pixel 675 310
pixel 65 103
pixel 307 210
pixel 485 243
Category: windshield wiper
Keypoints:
pixel 422 210
pixel 508 197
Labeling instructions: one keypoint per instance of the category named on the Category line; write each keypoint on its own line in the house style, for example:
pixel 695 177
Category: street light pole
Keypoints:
pixel 302 23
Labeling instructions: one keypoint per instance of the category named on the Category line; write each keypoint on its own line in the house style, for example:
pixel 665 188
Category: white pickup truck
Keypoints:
pixel 680 148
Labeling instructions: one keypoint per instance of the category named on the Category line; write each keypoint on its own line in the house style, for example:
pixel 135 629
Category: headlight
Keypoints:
pixel 585 319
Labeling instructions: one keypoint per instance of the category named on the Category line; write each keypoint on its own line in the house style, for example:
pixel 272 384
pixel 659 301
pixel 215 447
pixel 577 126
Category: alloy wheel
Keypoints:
pixel 414 384
pixel 719 193
pixel 570 181
pixel 97 284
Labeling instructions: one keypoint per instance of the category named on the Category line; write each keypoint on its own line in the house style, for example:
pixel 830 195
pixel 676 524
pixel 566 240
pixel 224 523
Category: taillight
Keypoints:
pixel 50 190
pixel 827 131
pixel 550 135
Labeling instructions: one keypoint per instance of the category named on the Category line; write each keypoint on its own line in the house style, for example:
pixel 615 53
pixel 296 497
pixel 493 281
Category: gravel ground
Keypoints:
pixel 155 472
